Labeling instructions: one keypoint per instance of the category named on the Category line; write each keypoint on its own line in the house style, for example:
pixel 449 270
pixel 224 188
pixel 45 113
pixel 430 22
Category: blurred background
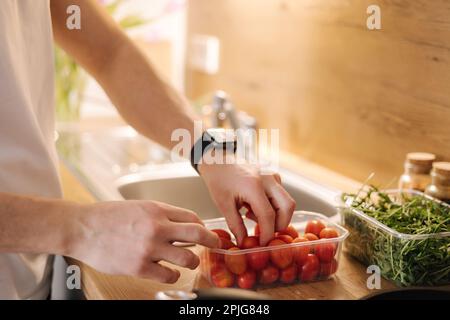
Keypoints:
pixel 347 98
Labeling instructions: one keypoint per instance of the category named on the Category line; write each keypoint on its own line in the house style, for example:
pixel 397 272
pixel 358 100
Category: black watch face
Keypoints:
pixel 222 136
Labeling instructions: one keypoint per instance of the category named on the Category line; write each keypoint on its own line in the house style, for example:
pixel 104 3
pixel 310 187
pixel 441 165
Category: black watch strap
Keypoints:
pixel 206 142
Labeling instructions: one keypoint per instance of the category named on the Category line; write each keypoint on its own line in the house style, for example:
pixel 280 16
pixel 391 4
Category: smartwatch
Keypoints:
pixel 214 138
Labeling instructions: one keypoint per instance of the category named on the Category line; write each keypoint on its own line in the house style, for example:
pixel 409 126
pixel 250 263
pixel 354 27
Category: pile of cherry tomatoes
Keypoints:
pixel 268 265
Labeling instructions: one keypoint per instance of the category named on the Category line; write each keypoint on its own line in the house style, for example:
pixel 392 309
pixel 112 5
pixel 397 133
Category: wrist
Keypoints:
pixel 215 146
pixel 73 229
pixel 214 159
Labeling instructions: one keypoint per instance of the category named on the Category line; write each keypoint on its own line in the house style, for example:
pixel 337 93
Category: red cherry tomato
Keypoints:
pixel 327 269
pixel 314 226
pixel 247 279
pixel 301 252
pixel 250 242
pixel 290 231
pixel 222 233
pixel 215 258
pixel 311 236
pixel 258 260
pixel 328 233
pixel 221 277
pixel 325 252
pixel 285 238
pixel 256 232
pixel 236 263
pixel 268 275
pixel 226 243
pixel 281 258
pixel 289 274
pixel 310 269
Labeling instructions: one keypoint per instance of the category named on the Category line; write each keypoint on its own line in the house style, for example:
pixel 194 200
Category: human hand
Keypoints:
pixel 233 185
pixel 131 237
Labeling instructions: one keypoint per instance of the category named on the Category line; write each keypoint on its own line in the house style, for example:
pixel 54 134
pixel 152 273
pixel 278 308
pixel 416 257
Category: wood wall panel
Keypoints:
pixel 345 97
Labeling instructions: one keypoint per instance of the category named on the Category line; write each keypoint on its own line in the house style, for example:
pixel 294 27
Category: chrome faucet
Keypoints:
pixel 222 110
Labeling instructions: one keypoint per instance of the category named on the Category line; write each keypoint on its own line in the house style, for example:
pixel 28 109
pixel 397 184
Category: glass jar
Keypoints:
pixel 440 182
pixel 417 171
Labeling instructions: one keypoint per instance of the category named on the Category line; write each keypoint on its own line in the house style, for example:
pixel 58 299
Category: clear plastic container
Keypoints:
pixel 402 258
pixel 215 262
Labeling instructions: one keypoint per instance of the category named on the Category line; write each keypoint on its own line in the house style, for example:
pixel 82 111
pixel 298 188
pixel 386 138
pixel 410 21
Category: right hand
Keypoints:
pixel 131 237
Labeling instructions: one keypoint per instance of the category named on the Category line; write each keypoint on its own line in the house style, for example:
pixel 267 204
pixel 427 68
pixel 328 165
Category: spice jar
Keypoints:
pixel 440 182
pixel 417 171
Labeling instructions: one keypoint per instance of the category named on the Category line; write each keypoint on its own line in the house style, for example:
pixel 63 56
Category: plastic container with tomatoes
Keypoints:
pixel 308 250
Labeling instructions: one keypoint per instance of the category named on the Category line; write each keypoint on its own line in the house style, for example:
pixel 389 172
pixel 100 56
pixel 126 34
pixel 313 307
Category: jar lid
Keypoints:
pixel 442 168
pixel 419 162
pixel 420 158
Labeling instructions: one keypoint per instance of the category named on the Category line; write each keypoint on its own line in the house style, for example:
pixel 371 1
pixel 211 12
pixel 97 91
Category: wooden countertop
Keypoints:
pixel 348 283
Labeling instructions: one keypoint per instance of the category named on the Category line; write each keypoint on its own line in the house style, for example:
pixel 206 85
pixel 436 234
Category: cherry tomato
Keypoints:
pixel 310 269
pixel 268 275
pixel 281 258
pixel 258 260
pixel 290 231
pixel 222 233
pixel 250 242
pixel 301 252
pixel 256 232
pixel 314 226
pixel 285 238
pixel 247 279
pixel 328 233
pixel 327 269
pixel 226 243
pixel 221 277
pixel 325 252
pixel 236 263
pixel 289 274
pixel 215 258
pixel 311 236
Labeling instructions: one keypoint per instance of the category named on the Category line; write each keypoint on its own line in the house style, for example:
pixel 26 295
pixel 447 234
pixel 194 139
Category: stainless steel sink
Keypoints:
pixel 177 184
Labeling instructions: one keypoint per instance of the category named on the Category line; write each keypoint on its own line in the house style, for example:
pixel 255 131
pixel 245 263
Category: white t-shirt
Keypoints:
pixel 28 161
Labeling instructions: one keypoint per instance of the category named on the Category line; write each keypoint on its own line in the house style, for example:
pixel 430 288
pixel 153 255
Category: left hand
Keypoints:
pixel 233 185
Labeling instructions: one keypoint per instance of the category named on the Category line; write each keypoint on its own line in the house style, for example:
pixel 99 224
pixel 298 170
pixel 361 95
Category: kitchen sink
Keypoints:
pixel 179 185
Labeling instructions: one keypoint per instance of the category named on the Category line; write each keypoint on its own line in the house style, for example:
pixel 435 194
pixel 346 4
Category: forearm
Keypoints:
pixel 144 100
pixel 35 225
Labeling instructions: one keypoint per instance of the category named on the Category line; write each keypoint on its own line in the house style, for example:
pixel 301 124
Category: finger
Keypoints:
pixel 234 221
pixel 283 204
pixel 193 233
pixel 159 273
pixel 277 177
pixel 177 214
pixel 263 210
pixel 179 256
